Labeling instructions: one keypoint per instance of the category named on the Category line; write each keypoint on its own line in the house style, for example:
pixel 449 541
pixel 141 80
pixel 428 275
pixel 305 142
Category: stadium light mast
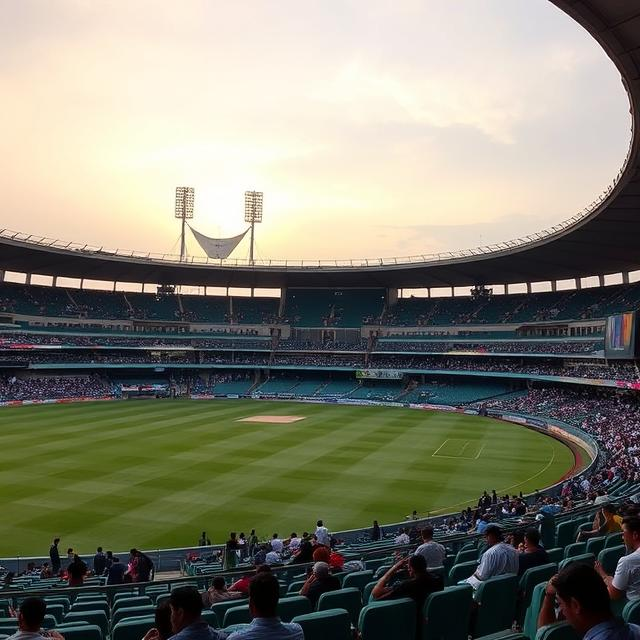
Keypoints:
pixel 252 214
pixel 184 211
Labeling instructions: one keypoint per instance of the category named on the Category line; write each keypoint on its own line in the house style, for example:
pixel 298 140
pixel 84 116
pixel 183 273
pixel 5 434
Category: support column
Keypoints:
pixel 506 289
pixel 625 277
pixel 54 282
pixel 452 292
pixel 528 287
pixel 554 285
pixel 27 280
pixel 578 282
pixel 601 281
pixel 81 284
pixel 114 287
pixel 2 273
pixel 143 287
pixel 428 292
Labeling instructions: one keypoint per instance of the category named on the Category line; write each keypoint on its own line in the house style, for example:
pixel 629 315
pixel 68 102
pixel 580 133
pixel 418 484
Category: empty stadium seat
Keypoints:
pixel 132 629
pixel 131 601
pixel 609 557
pixel 358 579
pixel 97 617
pixel 496 604
pixel 530 624
pixel 293 606
pixel 595 545
pixel 333 624
pixel 220 608
pixel 366 592
pixel 446 613
pixel 574 549
pixel 81 632
pixel 56 610
pixel 467 555
pixel 131 612
pixel 295 586
pixel 237 615
pixel 388 619
pixel 613 540
pixel 348 598
pixel 462 571
pixel 583 558
pixel 565 533
pixel 90 605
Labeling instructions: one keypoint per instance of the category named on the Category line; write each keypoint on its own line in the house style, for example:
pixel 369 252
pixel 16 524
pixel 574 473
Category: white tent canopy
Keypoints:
pixel 217 247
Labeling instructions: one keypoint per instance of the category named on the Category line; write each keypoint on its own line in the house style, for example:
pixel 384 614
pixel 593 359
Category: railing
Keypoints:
pixel 431 258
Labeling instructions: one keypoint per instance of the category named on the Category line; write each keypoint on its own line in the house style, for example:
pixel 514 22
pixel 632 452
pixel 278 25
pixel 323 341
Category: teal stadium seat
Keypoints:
pixel 97 617
pixel 333 624
pixel 557 631
pixel 293 606
pixel 467 556
pixel 555 555
pixel 220 608
pixel 583 558
pixel 358 579
pixel 462 571
pixel 388 619
pixel 295 586
pixel 90 605
pixel 446 613
pixel 132 612
pixel 132 629
pixel 565 533
pixel 595 545
pixel 81 632
pixel 348 598
pixel 366 592
pixel 237 615
pixel 530 625
pixel 496 604
pixel 631 612
pixel 575 549
pixel 131 601
pixel 609 557
pixel 613 540
pixel 56 610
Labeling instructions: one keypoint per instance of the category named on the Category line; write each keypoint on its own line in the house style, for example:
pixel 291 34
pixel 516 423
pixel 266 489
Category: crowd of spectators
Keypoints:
pixel 490 347
pixel 54 387
pixel 290 344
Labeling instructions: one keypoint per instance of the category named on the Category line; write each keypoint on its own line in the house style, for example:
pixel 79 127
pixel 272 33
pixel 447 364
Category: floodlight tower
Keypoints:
pixel 184 211
pixel 252 214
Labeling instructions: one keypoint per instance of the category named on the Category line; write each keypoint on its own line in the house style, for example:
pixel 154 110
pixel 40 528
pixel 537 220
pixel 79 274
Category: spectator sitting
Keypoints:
pixel 606 521
pixel 498 559
pixel 433 552
pixel 273 557
pixel 163 620
pixel 626 580
pixel 242 586
pixel 402 538
pixel 320 581
pixel 30 618
pixel 584 604
pixel 218 592
pixel 420 584
pixel 534 555
pixel 186 619
pixel 276 544
pixel 263 604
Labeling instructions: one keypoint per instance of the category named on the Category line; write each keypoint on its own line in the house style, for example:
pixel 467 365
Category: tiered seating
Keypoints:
pixel 275 386
pixel 336 388
pixel 100 304
pixel 35 300
pixel 255 310
pixel 154 307
pixel 329 307
pixel 379 391
pixel 214 309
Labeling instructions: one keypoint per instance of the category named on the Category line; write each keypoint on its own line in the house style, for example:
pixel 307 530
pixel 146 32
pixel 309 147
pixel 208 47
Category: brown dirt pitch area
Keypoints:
pixel 272 419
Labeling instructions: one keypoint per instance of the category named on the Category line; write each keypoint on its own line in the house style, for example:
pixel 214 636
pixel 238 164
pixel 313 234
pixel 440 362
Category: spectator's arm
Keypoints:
pixel 307 585
pixel 381 589
pixel 547 613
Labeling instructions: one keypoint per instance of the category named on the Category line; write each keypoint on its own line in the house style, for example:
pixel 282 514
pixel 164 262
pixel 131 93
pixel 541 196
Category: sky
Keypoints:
pixel 375 129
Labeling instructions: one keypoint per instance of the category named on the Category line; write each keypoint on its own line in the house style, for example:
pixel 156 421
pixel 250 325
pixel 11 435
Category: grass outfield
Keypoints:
pixel 156 473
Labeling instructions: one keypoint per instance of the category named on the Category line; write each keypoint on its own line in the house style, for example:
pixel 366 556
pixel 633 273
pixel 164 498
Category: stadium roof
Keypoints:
pixel 601 240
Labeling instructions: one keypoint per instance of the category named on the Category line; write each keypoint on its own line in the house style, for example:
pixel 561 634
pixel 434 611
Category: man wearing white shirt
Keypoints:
pixel 402 538
pixel 322 534
pixel 30 617
pixel 276 544
pixel 294 542
pixel 626 580
pixel 434 553
pixel 499 559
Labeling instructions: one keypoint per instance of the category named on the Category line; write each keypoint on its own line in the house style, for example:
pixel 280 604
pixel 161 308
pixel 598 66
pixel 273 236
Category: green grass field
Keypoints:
pixel 156 473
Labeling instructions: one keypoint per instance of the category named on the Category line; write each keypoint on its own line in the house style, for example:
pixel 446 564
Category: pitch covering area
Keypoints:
pixel 156 473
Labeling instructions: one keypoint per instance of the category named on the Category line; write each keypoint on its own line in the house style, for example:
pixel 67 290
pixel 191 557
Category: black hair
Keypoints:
pixel 218 582
pixel 163 620
pixel 264 593
pixel 532 535
pixel 188 599
pixel 99 549
pixel 418 563
pixel 632 523
pixel 580 581
pixel 33 611
pixel 427 532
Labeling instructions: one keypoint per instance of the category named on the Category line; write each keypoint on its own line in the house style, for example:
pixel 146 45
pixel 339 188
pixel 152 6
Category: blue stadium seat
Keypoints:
pixel 333 624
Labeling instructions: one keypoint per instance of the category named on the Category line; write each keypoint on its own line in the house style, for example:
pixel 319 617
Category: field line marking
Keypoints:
pixel 466 444
pixel 480 451
pixel 435 453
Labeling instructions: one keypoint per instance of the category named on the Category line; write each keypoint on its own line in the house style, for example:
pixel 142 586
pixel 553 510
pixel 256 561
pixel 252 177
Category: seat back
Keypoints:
pixel 529 579
pixel 132 629
pixel 613 540
pixel 56 610
pixel 237 615
pixel 609 557
pixel 461 571
pixel 220 608
pixel 574 549
pixel 583 558
pixel 557 631
pixel 446 613
pixel 82 632
pixel 295 586
pixel 328 623
pixel 348 598
pixel 132 612
pixel 293 606
pixel 631 612
pixel 98 618
pixel 530 625
pixel 565 533
pixel 358 579
pixel 90 605
pixel 65 602
pixel 131 601
pixel 366 592
pixel 595 545
pixel 496 604
pixel 466 556
pixel 555 555
pixel 388 619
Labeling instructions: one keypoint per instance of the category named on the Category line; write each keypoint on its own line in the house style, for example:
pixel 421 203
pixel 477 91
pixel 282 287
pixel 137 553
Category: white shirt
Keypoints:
pixel 322 533
pixel 294 543
pixel 403 538
pixel 26 635
pixel 627 575
pixel 277 545
pixel 499 559
pixel 434 553
pixel 273 558
pixel 601 499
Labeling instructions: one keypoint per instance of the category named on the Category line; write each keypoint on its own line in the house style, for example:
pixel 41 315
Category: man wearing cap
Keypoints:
pixel 499 559
pixel 319 582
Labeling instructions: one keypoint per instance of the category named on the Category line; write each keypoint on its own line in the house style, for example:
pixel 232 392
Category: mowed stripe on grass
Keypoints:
pixel 156 473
